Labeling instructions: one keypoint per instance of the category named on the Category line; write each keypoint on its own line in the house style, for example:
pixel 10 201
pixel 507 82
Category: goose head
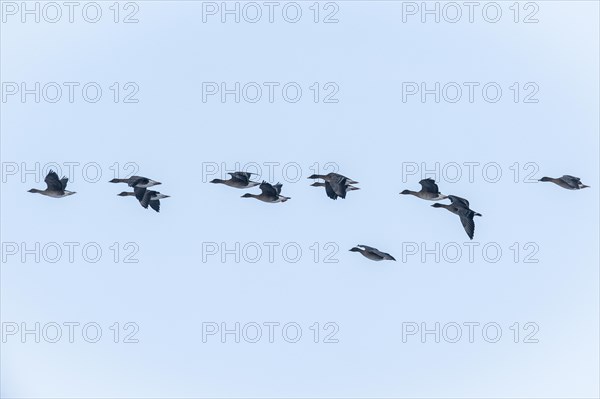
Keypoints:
pixel 247 195
pixel 545 179
pixel 406 192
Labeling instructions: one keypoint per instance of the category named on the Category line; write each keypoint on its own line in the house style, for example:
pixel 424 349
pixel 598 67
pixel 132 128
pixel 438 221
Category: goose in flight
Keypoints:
pixel 55 187
pixel 460 206
pixel 372 253
pixel 566 181
pixel 146 197
pixel 238 180
pixel 137 181
pixel 429 191
pixel 335 189
pixel 333 177
pixel 270 193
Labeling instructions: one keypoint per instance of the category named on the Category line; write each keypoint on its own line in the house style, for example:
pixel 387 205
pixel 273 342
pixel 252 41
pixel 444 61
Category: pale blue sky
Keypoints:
pixel 369 134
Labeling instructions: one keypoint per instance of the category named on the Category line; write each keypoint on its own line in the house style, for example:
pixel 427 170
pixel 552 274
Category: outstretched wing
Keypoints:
pixel 330 191
pixel 571 180
pixel 458 201
pixel 375 251
pixel 63 182
pixel 145 201
pixel 155 204
pixel 243 177
pixel 339 186
pixel 139 193
pixel 429 186
pixel 268 189
pixel 466 218
pixel 52 181
pixel 277 187
pixel 134 181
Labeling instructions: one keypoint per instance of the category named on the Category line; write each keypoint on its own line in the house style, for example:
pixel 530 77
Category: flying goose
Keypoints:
pixel 137 181
pixel 270 193
pixel 146 197
pixel 55 188
pixel 566 181
pixel 460 206
pixel 238 180
pixel 335 189
pixel 429 191
pixel 372 253
pixel 333 177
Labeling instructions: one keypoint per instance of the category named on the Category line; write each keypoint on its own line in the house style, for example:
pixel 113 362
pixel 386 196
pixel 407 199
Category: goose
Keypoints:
pixel 460 206
pixel 333 177
pixel 336 189
pixel 55 188
pixel 372 253
pixel 137 181
pixel 270 193
pixel 146 197
pixel 238 180
pixel 429 191
pixel 566 181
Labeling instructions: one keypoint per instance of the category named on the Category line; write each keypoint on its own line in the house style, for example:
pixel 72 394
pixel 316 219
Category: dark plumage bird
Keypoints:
pixel 55 188
pixel 270 193
pixel 566 181
pixel 429 191
pixel 137 181
pixel 335 189
pixel 146 197
pixel 372 253
pixel 460 206
pixel 238 180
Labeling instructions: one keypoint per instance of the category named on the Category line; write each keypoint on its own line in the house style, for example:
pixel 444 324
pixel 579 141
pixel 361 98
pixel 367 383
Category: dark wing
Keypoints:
pixel 242 177
pixel 429 186
pixel 268 189
pixel 146 200
pixel 63 182
pixel 52 181
pixel 277 187
pixel 139 193
pixel 330 191
pixel 155 204
pixel 339 186
pixel 466 218
pixel 135 180
pixel 571 180
pixel 458 201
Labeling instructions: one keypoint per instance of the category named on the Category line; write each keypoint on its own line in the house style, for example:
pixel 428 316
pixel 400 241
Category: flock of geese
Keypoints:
pixel 336 186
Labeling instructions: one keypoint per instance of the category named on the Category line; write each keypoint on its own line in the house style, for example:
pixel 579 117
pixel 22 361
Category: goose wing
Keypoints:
pixel 572 181
pixel 466 218
pixel 243 177
pixel 139 193
pixel 52 181
pixel 277 188
pixel 145 201
pixel 268 189
pixel 155 204
pixel 330 191
pixel 429 186
pixel 339 186
pixel 458 201
pixel 375 251
pixel 63 182
pixel 134 181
